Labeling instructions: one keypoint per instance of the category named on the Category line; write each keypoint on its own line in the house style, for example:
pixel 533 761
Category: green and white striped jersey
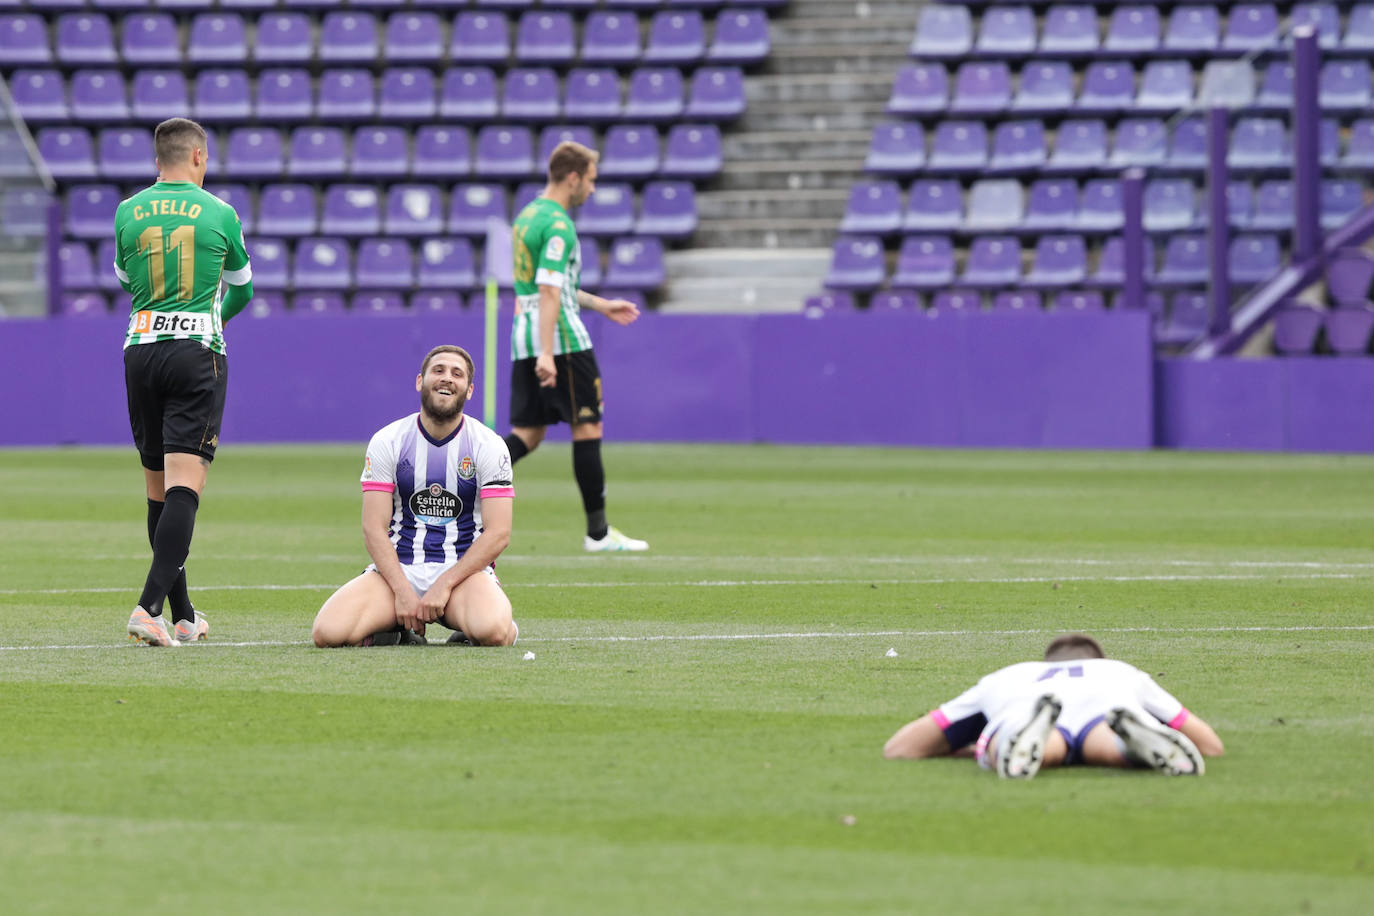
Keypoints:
pixel 174 242
pixel 546 253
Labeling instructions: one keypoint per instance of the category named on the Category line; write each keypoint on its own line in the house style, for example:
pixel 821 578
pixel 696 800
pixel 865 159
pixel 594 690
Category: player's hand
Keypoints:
pixel 433 602
pixel 408 611
pixel 621 311
pixel 544 370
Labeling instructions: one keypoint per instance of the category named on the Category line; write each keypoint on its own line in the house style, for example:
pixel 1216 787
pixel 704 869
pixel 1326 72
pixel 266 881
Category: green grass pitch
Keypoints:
pixel 700 731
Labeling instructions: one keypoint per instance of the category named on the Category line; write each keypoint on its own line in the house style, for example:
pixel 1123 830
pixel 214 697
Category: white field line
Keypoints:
pixel 759 637
pixel 747 583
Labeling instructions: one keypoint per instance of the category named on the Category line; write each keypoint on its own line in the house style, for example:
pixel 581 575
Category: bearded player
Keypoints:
pixel 437 507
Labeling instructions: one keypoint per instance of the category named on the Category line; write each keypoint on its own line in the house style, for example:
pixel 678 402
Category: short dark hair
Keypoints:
pixel 449 348
pixel 1073 645
pixel 570 157
pixel 174 139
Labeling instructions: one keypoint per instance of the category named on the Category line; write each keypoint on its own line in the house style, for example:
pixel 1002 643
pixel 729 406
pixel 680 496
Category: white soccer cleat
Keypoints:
pixel 144 627
pixel 1157 746
pixel 189 631
pixel 613 541
pixel 1019 755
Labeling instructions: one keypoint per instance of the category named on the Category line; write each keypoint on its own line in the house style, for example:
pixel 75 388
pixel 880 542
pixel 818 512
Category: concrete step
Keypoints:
pixel 854 9
pixel 897 31
pixel 771 89
pixel 799 145
pixel 813 116
pixel 733 296
pixel 879 60
pixel 766 233
pixel 757 265
pixel 760 176
pixel 799 204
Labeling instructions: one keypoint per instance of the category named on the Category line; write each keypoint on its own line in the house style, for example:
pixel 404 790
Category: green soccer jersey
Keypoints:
pixel 173 244
pixel 546 253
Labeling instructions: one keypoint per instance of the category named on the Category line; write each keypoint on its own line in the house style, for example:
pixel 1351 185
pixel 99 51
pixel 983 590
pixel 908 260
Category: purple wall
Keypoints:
pixel 1057 380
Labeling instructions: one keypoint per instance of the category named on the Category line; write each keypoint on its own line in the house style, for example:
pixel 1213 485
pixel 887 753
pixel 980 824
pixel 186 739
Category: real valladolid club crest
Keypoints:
pixel 434 505
pixel 466 468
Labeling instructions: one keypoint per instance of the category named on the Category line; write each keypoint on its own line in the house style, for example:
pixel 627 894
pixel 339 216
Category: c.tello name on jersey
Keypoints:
pixel 163 206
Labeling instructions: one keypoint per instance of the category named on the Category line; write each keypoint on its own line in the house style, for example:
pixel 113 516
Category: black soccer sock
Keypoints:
pixel 177 597
pixel 171 544
pixel 517 447
pixel 591 480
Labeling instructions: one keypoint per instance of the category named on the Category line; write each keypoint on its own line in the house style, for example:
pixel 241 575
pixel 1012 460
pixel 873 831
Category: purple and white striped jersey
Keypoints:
pixel 437 486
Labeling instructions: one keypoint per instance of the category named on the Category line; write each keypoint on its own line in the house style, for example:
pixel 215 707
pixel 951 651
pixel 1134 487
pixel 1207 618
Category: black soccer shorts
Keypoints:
pixel 176 394
pixel 575 397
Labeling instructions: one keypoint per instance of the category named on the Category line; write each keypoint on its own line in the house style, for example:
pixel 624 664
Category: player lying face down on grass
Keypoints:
pixel 1075 707
pixel 437 509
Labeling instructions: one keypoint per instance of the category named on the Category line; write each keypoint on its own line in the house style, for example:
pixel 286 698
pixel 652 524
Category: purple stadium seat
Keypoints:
pixel 480 37
pixel 413 37
pixel 895 300
pixel 159 94
pixel 1017 301
pixel 919 89
pixel 1189 315
pixel 347 95
pixel 956 300
pixel 531 93
pixel 24 213
pixel 525 193
pixel 504 152
pixel 84 305
pixel 593 94
pixel 1276 87
pixel 39 95
pixel 1253 258
pixel 676 37
pixel 469 93
pixel 348 37
pixel 993 260
pixel 591 262
pixel 1079 145
pixel 897 148
pixel 351 209
pixel 1340 200
pixel 1077 300
pixel 471 206
pixel 1132 30
pixel 1107 86
pixel 1069 29
pixel 981 86
pixel 288 209
pixel 1359 28
pixel 1258 143
pixel 611 37
pixel 1168 205
pixel 943 31
pixel 668 209
pixel 1228 84
pixel 317 152
pixel 1018 146
pixel 1329 142
pixel 254 152
pixel 82 38
pixel 828 302
pixel 317 304
pixel 1165 85
pixel 284 95
pixel 407 93
pixel 741 37
pixel 24 40
pixel 1188 144
pixel 959 146
pixel 413 209
pixel 1100 209
pixel 1251 26
pixel 126 153
pixel 270 261
pixel 554 134
pixel 692 151
pixel 1322 16
pixel 385 264
pixel 934 205
pixel 717 94
pixel 99 95
pixel 1273 206
pixel 1193 30
pixel 545 37
pixel 447 264
pixel 630 151
pixel 105 279
pixel 994 205
pixel 1359 149
pixel 609 211
pixel 1296 327
pixel 284 38
pixel 436 301
pixel 1349 277
pixel 655 94
pixel 636 263
pixel 1052 204
pixel 1348 330
pixel 222 95
pixel 68 152
pixel 856 263
pixel 322 263
pixel 150 38
pixel 1345 85
pixel 266 303
pixel 1007 30
pixel 925 262
pixel 241 199
pixel 1185 262
pixel 1045 87
pixel 90 210
pixel 875 207
pixel 377 302
pixel 1240 202
pixel 1110 271
pixel 380 152
pixel 78 270
pixel 217 37
pixel 1139 142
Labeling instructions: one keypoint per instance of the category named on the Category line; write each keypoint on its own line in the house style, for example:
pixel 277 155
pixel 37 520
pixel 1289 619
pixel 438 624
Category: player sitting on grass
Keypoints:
pixel 1075 707
pixel 437 508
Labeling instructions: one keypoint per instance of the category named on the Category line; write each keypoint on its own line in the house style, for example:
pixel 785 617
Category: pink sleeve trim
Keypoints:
pixel 940 718
pixel 1177 721
pixel 498 492
pixel 378 485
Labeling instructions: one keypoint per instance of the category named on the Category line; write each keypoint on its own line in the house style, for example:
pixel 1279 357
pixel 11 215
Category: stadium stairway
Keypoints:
pixel 767 222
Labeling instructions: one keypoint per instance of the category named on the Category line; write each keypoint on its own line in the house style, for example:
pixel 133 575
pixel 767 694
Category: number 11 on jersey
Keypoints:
pixel 182 241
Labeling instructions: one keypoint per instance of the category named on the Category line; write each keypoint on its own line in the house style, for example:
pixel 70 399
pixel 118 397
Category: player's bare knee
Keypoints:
pixel 497 632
